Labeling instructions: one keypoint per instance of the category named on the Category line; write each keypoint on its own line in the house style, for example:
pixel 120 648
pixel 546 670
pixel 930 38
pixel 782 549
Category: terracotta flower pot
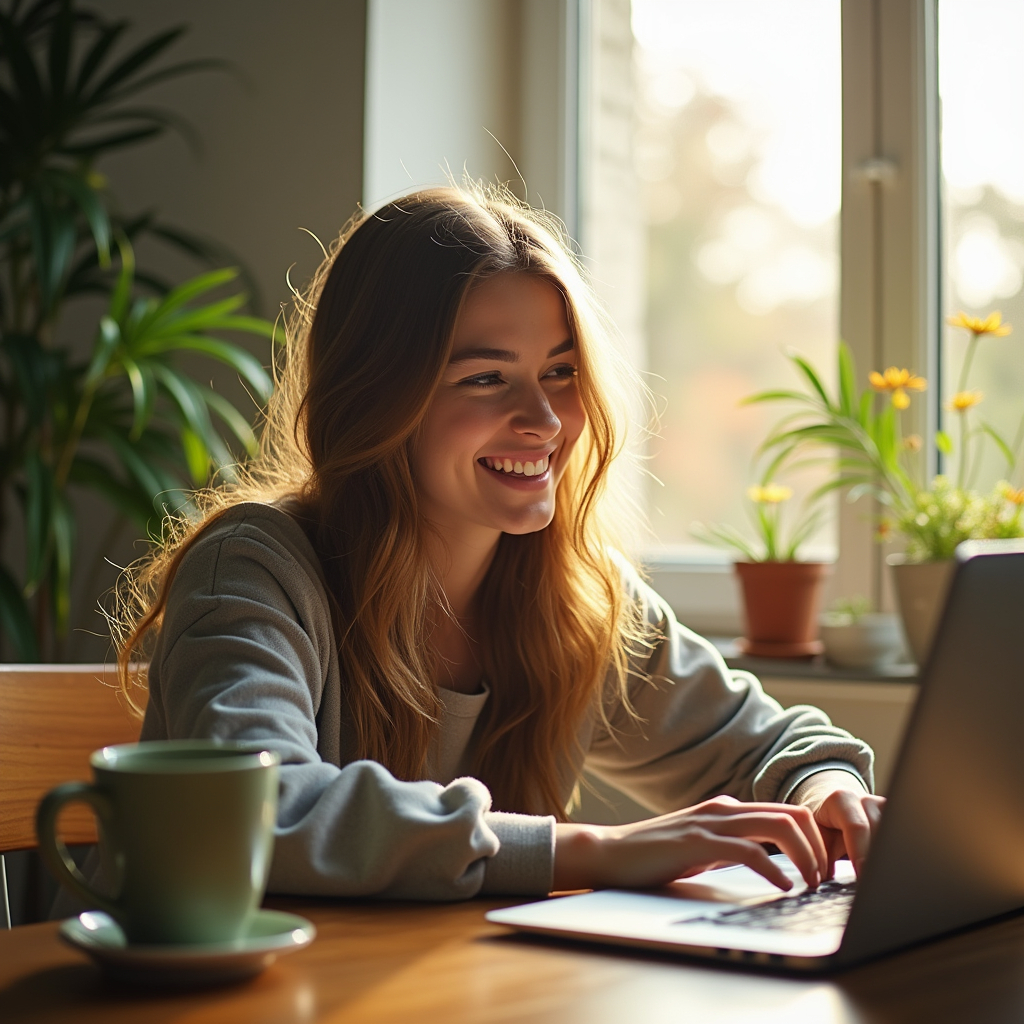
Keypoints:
pixel 781 601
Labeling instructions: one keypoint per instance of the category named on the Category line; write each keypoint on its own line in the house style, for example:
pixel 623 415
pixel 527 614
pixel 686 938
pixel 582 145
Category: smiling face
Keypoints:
pixel 500 427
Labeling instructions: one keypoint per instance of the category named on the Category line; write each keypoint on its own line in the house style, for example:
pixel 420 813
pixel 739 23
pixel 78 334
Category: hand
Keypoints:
pixel 708 835
pixel 846 814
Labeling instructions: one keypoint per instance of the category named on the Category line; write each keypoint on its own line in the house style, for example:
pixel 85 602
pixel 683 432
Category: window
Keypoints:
pixel 738 152
pixel 784 192
pixel 983 206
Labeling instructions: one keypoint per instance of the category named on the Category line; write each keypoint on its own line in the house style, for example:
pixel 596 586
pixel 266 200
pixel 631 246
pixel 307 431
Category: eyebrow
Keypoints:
pixel 504 355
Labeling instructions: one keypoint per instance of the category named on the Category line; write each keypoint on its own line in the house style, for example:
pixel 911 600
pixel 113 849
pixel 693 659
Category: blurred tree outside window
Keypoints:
pixel 738 154
pixel 983 202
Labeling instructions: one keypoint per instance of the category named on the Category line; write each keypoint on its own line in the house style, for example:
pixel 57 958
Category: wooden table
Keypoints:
pixel 418 964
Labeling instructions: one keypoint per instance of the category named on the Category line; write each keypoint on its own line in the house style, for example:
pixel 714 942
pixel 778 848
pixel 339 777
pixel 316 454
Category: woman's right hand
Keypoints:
pixel 708 835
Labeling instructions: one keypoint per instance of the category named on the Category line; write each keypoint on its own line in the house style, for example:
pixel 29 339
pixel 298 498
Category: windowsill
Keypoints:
pixel 809 668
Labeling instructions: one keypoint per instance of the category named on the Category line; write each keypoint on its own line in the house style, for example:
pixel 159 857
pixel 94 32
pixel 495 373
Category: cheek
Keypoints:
pixel 569 410
pixel 448 435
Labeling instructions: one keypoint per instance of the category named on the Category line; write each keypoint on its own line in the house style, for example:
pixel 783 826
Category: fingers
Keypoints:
pixel 801 817
pixel 873 806
pixel 712 847
pixel 857 818
pixel 778 828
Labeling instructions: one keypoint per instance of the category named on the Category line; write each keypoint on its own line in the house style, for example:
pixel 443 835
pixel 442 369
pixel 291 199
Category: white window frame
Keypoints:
pixel 890 297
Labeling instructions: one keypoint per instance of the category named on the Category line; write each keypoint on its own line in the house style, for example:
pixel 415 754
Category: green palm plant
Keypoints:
pixel 113 412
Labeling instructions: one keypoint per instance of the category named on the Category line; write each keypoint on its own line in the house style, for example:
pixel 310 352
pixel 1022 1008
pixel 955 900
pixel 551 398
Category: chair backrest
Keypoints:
pixel 51 718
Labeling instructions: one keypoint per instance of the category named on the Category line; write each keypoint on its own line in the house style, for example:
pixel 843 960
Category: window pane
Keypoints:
pixel 739 155
pixel 981 85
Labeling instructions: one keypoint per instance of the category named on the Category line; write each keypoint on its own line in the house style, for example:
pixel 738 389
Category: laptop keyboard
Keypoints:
pixel 826 907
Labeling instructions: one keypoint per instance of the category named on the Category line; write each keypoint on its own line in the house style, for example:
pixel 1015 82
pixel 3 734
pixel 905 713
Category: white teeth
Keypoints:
pixel 519 468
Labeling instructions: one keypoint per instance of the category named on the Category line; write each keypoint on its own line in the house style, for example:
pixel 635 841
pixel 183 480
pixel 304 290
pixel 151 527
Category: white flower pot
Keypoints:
pixel 921 589
pixel 873 641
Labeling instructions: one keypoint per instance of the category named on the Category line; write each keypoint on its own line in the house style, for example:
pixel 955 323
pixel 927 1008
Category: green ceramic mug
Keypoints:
pixel 187 830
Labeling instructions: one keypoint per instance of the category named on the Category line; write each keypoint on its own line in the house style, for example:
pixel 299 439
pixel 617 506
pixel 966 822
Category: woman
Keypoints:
pixel 414 596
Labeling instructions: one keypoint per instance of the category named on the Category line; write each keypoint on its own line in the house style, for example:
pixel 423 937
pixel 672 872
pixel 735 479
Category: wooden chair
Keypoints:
pixel 51 718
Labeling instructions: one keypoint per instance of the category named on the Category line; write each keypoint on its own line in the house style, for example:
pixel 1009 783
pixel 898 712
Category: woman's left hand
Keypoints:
pixel 846 814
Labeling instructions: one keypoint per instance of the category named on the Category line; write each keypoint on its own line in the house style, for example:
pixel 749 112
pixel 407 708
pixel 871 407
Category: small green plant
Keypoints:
pixel 866 447
pixel 773 544
pixel 848 611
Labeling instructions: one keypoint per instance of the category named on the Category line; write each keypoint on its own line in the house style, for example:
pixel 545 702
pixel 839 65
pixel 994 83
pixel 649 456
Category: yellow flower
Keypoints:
pixel 964 400
pixel 912 442
pixel 898 382
pixel 770 494
pixel 1014 495
pixel 992 324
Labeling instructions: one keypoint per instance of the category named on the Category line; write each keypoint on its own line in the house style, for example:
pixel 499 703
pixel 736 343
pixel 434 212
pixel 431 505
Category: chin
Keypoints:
pixel 527 524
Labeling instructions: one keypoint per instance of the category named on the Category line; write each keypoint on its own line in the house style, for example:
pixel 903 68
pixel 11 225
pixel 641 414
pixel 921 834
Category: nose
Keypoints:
pixel 535 418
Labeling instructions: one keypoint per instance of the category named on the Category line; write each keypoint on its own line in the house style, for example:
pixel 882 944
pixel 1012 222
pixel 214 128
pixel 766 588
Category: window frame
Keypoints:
pixel 890 298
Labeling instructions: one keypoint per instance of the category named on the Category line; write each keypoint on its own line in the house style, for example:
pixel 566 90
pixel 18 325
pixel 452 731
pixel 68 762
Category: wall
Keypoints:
pixel 441 93
pixel 477 88
pixel 282 150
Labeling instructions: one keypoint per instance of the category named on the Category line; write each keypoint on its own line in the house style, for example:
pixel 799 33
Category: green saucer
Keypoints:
pixel 270 934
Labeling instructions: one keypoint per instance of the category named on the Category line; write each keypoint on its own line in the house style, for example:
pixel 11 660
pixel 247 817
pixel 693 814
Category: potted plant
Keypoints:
pixel 856 637
pixel 781 595
pixel 101 405
pixel 862 434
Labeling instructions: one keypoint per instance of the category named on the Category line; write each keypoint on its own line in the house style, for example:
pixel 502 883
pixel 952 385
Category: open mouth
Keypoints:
pixel 523 469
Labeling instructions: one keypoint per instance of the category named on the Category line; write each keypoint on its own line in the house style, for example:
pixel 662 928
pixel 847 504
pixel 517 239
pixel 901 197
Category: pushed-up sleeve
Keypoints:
pixel 698 729
pixel 243 654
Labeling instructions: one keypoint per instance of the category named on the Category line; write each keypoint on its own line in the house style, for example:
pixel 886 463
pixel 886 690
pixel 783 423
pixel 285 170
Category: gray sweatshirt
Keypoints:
pixel 247 652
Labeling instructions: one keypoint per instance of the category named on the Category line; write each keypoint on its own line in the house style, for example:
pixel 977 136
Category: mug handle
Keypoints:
pixel 55 853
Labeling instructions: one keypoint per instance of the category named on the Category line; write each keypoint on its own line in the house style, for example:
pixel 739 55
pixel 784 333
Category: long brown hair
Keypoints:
pixel 367 346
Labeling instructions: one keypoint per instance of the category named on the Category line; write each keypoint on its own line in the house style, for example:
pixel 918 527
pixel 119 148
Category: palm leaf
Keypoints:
pixel 39 499
pixel 779 395
pixel 185 67
pixel 59 56
pixel 1004 448
pixel 30 363
pixel 233 419
pixel 847 381
pixel 22 67
pixel 247 366
pixel 143 472
pixel 191 289
pixel 197 456
pixel 90 147
pixel 63 525
pixel 108 36
pixel 727 537
pixel 130 500
pixel 162 323
pixel 92 209
pixel 108 338
pixel 808 371
pixel 138 58
pixel 15 620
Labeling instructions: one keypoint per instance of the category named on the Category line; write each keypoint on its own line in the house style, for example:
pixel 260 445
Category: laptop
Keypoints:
pixel 949 852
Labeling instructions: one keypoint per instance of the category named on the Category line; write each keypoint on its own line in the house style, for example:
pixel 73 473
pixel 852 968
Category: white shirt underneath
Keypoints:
pixel 446 759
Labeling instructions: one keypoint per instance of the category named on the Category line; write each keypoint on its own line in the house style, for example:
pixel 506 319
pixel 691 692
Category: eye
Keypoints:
pixel 483 380
pixel 566 371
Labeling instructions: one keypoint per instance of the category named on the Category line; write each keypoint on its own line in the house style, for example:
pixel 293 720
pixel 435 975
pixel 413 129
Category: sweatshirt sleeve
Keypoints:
pixel 243 654
pixel 700 730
